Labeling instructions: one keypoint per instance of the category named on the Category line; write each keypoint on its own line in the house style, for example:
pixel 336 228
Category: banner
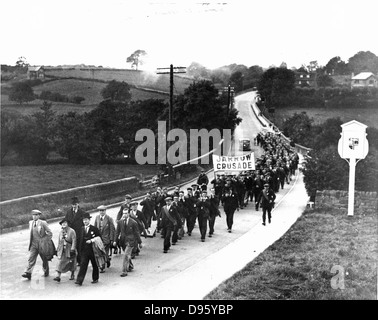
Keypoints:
pixel 236 163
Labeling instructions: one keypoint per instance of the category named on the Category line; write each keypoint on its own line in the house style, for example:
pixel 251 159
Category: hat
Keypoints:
pixel 86 215
pixel 75 200
pixel 168 198
pixel 191 189
pixel 63 220
pixel 128 196
pixel 102 207
pixel 266 185
pixel 36 212
pixel 194 185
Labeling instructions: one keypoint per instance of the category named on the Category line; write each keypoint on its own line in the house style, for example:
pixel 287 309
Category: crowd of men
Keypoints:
pixel 175 213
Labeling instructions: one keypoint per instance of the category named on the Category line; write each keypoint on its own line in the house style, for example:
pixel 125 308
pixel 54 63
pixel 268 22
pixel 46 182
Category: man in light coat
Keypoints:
pixel 128 237
pixel 39 232
pixel 105 224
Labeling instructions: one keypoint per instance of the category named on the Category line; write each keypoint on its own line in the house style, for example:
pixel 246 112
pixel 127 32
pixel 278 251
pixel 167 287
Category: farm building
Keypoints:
pixel 305 79
pixel 364 79
pixel 36 72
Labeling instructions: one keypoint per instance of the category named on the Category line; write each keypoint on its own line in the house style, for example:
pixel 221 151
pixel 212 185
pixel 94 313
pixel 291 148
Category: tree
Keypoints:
pixel 252 76
pixel 22 63
pixel 299 128
pixel 135 58
pixel 116 91
pixel 77 138
pixel 21 92
pixel 236 80
pixel 276 85
pixel 336 66
pixel 324 80
pixel 363 61
pixel 197 71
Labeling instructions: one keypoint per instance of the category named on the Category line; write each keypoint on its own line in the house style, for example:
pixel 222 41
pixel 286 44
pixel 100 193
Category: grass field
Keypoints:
pixel 298 265
pixel 90 90
pixel 368 117
pixel 138 78
pixel 19 181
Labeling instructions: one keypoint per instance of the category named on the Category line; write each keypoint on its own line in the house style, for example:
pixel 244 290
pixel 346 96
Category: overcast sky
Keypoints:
pixel 213 33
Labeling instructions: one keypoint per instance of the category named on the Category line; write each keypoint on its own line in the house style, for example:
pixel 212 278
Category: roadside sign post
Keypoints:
pixel 353 147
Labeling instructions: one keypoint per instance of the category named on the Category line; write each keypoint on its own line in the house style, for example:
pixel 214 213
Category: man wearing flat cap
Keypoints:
pixel 105 224
pixel 266 198
pixel 39 232
pixel 74 217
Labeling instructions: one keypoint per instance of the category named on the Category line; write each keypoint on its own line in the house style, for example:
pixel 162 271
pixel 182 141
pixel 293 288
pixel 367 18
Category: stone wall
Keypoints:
pixel 89 193
pixel 364 202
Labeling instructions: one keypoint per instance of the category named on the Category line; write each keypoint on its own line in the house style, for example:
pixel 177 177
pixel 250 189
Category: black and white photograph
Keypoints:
pixel 194 152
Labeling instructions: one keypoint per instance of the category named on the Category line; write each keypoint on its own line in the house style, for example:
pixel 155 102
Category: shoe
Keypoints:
pixel 26 275
pixel 130 269
pixel 210 235
pixel 79 283
pixel 203 240
pixel 123 274
pixel 102 271
pixel 165 251
pixel 229 230
pixel 57 279
pixel 46 274
pixel 72 277
pixel 263 223
pixel 94 281
pixel 108 264
pixel 269 220
pixel 189 234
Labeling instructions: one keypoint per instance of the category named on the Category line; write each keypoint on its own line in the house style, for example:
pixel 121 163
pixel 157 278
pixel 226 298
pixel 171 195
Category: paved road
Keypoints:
pixel 190 269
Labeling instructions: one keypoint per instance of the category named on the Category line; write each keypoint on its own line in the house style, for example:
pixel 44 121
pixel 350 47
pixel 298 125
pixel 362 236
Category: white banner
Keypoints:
pixel 237 163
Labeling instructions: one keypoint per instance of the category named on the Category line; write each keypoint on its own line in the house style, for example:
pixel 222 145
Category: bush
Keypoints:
pixel 77 99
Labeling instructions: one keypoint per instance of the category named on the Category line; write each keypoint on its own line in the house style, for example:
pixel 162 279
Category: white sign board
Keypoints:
pixel 353 142
pixel 236 163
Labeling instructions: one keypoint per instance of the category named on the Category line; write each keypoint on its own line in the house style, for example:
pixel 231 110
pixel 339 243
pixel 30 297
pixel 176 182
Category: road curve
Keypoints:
pixel 191 268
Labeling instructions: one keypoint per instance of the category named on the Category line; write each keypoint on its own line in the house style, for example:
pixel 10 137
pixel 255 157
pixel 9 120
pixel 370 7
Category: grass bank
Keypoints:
pixel 298 265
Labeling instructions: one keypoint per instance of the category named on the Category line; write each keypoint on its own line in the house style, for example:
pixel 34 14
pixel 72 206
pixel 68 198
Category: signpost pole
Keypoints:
pixel 352 178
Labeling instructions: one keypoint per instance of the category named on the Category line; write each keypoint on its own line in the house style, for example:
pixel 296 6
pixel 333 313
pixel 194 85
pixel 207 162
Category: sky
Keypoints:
pixel 212 33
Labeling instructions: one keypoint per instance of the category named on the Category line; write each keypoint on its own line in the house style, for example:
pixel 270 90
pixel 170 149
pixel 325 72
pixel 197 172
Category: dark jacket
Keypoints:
pixel 93 232
pixel 230 203
pixel 266 198
pixel 127 233
pixel 75 220
pixel 170 218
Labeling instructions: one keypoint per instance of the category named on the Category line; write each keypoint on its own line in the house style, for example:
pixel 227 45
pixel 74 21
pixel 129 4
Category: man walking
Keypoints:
pixel 169 220
pixel 129 237
pixel 74 217
pixel 88 235
pixel 203 209
pixel 266 198
pixel 105 224
pixel 39 232
pixel 230 204
pixel 214 210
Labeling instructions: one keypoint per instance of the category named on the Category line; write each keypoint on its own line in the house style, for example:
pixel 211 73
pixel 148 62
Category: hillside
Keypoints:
pixel 140 79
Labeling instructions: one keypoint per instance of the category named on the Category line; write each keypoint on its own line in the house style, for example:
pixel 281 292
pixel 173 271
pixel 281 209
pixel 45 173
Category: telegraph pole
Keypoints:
pixel 230 91
pixel 171 71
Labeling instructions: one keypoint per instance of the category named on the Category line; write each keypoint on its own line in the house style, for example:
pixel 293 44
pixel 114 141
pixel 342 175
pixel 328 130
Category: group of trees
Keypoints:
pixel 324 168
pixel 108 132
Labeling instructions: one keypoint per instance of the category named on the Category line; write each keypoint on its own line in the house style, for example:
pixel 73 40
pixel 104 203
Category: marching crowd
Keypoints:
pixel 175 213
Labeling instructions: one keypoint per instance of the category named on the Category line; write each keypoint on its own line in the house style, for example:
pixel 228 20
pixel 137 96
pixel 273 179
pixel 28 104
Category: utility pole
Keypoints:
pixel 171 71
pixel 230 91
